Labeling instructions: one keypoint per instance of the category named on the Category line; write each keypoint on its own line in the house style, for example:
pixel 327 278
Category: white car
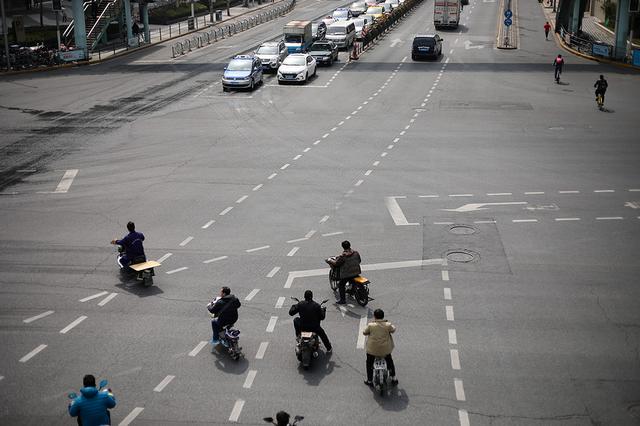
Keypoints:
pixel 297 67
pixel 392 4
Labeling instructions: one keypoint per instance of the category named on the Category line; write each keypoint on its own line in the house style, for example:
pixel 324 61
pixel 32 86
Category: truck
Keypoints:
pixel 446 13
pixel 298 36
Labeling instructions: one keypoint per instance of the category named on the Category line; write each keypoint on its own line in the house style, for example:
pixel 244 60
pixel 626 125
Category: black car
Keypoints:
pixel 426 46
pixel 324 52
pixel 318 30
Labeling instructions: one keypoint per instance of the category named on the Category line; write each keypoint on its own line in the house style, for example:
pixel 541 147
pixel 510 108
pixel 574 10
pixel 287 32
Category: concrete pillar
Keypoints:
pixel 79 29
pixel 144 14
pixel 126 4
pixel 576 17
pixel 622 30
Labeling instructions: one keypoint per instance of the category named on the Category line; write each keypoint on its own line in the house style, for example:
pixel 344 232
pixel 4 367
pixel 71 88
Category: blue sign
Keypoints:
pixel 508 13
pixel 636 57
pixel 508 22
pixel 600 49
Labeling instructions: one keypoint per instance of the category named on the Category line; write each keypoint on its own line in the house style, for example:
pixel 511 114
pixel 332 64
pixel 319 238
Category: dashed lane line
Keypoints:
pixel 257 187
pixel 237 409
pixel 165 257
pixel 198 348
pixel 445 275
pixel 272 324
pixel 453 336
pixel 447 292
pixel 459 387
pixel 186 241
pixel 273 272
pixel 449 313
pixel 331 234
pixel 225 211
pixel 293 251
pixel 361 327
pixel 37 317
pixel 173 271
pixel 280 302
pixel 33 353
pixel 251 375
pixel 455 359
pixel 163 384
pixel 93 296
pixel 215 259
pixel 252 294
pixel 272 175
pixel 131 416
pixel 208 224
pixel 324 219
pixel 257 249
pixel 610 218
pixel 73 324
pixel 66 181
pixel 310 233
pixel 241 199
pixel 107 299
pixel 262 349
pixel 297 240
pixel 463 415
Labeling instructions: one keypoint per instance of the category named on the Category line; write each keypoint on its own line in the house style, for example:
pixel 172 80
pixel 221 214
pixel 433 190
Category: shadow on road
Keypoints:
pixel 320 367
pixel 129 284
pixel 396 399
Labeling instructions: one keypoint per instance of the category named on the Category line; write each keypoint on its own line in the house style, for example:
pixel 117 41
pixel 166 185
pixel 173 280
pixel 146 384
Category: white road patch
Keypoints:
pixel 163 384
pixel 534 193
pixel 252 294
pixel 93 296
pixel 462 414
pixel 566 219
pixel 297 240
pixel 280 302
pixel 198 348
pixel 225 211
pixel 107 299
pixel 317 142
pixel 428 196
pixel 207 225
pixel 445 275
pixel 524 220
pixel 186 241
pixel 272 175
pixel 262 349
pixel 455 359
pixel 285 166
pixel 396 212
pixel 215 259
pixel 66 181
pixel 447 293
pixel 173 271
pixel 293 251
pixel 37 317
pixel 297 157
pixel 569 192
pixel 491 194
pixel 250 378
pixel 359 182
pixel 324 219
pixel 449 312
pixel 610 218
pixel 273 272
pixel 33 353
pixel 459 389
pixel 453 338
pixel 331 234
pixel 307 149
pixel 326 135
pixel 403 132
pixel 634 190
pixel 389 146
pixel 333 129
pixel 73 324
pixel 237 409
pixel 165 257
pixel 361 337
pixel 255 188
pixel 604 190
pixel 241 199
pixel 484 221
pixel 460 195
pixel 256 249
pixel 272 324
pixel 376 163
pixel 131 416
pixel 368 172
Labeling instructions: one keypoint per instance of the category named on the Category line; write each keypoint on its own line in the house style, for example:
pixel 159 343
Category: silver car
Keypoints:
pixel 271 54
pixel 358 8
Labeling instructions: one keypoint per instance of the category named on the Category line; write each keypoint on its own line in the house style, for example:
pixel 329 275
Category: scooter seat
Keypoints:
pixel 306 334
pixel 361 280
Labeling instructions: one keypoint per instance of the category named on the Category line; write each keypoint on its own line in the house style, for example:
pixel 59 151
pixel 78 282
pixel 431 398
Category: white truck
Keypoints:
pixel 446 13
pixel 298 36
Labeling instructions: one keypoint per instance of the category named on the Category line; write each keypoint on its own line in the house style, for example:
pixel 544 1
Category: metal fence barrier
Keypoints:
pixel 586 43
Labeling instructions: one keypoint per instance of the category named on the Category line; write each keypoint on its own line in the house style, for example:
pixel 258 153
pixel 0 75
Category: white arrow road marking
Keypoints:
pixel 632 204
pixel 478 206
pixel 395 42
pixel 396 212
pixel 467 45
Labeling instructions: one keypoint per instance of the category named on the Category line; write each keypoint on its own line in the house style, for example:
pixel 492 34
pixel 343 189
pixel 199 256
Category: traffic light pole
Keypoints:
pixel 58 29
pixel 5 36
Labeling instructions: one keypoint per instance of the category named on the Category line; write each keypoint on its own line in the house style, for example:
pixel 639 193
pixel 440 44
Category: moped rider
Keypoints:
pixel 92 406
pixel 379 344
pixel 225 309
pixel 132 244
pixel 349 264
pixel 310 315
pixel 601 87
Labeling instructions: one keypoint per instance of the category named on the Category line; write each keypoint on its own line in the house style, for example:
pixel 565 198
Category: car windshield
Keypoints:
pixel 358 5
pixel 239 65
pixel 267 50
pixel 377 10
pixel 314 28
pixel 424 42
pixel 293 38
pixel 340 14
pixel 320 47
pixel 294 60
pixel 336 30
pixel 359 23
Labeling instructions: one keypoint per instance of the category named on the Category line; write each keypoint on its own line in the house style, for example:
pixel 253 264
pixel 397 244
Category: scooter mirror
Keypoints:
pixel 268 419
pixel 298 418
pixel 72 395
pixel 103 383
pixel 325 301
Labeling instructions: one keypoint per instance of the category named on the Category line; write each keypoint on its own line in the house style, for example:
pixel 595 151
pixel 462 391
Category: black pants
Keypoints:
pixel 318 330
pixel 390 366
pixel 342 284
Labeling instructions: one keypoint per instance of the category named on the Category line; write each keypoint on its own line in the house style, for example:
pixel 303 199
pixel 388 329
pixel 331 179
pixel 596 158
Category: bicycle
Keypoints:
pixel 600 101
pixel 557 74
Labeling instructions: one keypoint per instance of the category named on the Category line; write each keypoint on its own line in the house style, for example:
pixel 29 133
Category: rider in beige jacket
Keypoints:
pixel 379 344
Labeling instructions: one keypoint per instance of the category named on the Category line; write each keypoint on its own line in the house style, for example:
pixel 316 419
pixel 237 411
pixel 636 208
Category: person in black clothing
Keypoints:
pixel 601 87
pixel 311 313
pixel 349 265
pixel 225 308
pixel 558 63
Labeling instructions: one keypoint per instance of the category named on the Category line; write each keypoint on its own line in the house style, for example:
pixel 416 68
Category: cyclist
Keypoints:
pixel 601 88
pixel 558 63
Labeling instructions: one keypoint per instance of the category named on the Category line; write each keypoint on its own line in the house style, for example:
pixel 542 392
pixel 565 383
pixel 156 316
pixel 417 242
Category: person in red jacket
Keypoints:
pixel 547 28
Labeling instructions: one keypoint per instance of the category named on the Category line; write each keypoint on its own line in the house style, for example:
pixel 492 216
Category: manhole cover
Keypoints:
pixel 462 256
pixel 462 229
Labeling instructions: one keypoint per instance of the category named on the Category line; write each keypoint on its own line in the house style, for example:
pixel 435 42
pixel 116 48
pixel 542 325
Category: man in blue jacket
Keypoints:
pixel 91 407
pixel 132 243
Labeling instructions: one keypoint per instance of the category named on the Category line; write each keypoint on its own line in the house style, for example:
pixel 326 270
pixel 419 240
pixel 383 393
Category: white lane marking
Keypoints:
pixel 237 409
pixel 462 414
pixel 453 338
pixel 73 324
pixel 1 378
pixel 564 219
pixel 402 133
pixel 447 293
pixel 341 123
pixel 445 275
pixel 460 195
pixel 255 188
pixel 215 259
pixel 396 212
pixel 273 272
pixel 198 348
pixel 66 181
pixel 443 223
pixel 450 51
pixel 131 416
pixel 186 241
pixel 604 190
pixel 390 147
pixel 250 378
pixel 37 317
pixel 498 193
pixel 534 193
pixel 94 296
pixel 297 157
pixel 107 299
pixel 524 220
pixel 318 141
pixel 225 211
pixel 375 163
pixel 165 257
pixel 449 311
pixel 163 384
pixel 310 233
pixel 293 251
pixel 459 389
pixel 359 182
pixel 241 199
pixel 363 325
pixel 297 240
pixel 569 192
pixel 331 234
pixel 33 353
pixel 307 149
pixel 634 190
pixel 368 172
pixel 272 175
pixel 333 129
pixel 252 294
pixel 397 139
pixel 610 218
pixel 407 127
pixel 384 154
pixel 484 221
pixel 173 271
pixel 325 135
pixel 285 166
pixel 455 359
pixel 262 349
pixel 324 219
pixel 257 248
pixel 272 324
pixel 280 302
pixel 428 196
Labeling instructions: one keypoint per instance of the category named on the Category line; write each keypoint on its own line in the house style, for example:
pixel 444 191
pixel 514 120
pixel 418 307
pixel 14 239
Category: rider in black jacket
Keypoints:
pixel 225 309
pixel 311 313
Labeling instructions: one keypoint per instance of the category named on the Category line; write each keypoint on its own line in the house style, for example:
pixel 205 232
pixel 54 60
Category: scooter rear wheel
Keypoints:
pixel 362 295
pixel 333 279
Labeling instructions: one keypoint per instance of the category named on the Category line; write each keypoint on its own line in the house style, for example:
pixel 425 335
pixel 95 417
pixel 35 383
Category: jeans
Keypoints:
pixel 342 284
pixel 297 326
pixel 390 366
pixel 217 328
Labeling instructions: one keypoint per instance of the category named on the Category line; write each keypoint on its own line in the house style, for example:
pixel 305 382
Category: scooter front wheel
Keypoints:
pixel 333 279
pixel 362 295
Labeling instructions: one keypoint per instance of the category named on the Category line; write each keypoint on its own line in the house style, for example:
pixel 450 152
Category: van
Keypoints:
pixel 342 33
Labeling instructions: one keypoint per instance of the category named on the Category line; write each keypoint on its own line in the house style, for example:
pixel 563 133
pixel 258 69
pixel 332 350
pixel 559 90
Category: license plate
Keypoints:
pixel 423 49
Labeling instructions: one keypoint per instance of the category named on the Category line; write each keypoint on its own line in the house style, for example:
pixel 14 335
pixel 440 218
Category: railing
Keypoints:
pixel 380 27
pixel 72 24
pixel 585 43
pixel 110 5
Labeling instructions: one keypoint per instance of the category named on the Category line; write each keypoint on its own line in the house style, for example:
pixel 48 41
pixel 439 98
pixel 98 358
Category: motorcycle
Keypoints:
pixel 142 268
pixel 308 344
pixel 286 416
pixel 103 383
pixel 380 375
pixel 229 339
pixel 359 290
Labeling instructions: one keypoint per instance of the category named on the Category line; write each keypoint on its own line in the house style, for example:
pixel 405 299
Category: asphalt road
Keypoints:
pixel 496 213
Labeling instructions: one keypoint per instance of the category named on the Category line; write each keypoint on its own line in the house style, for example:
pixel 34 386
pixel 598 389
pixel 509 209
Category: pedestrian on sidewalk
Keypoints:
pixel 547 28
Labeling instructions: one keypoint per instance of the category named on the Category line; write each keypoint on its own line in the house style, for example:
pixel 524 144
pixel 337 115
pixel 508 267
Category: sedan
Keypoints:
pixel 426 46
pixel 297 67
pixel 324 52
pixel 243 71
pixel 358 8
